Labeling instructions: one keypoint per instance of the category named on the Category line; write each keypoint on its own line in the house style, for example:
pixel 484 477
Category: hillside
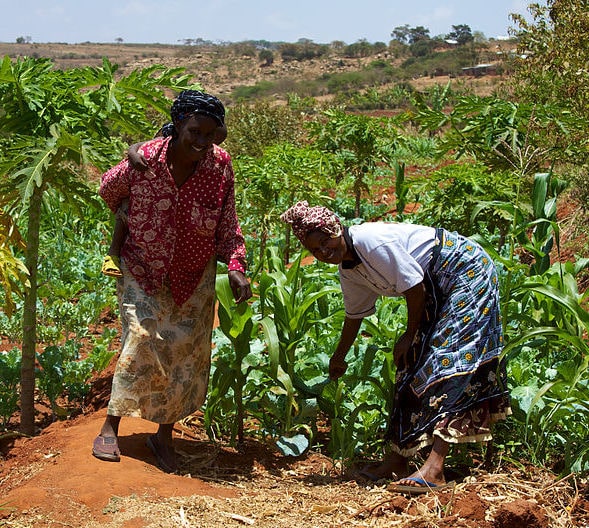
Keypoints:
pixel 220 69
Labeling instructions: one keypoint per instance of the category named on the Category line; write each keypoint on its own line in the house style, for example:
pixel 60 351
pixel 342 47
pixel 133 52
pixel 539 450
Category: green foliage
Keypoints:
pixel 505 135
pixel 302 50
pixel 425 63
pixel 253 128
pixel 375 74
pixel 62 373
pixel 10 363
pixel 545 332
pixel 231 374
pixel 267 185
pixel 293 308
pixel 58 363
pixel 372 99
pixel 553 64
pixel 260 89
pixel 449 196
pixel 359 142
pixel 549 367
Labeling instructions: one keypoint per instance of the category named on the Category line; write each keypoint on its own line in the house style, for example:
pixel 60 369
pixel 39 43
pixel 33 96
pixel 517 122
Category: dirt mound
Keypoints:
pixel 53 480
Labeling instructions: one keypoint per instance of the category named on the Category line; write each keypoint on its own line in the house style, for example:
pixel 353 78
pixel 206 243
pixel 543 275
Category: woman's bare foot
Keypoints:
pixel 432 471
pixel 164 454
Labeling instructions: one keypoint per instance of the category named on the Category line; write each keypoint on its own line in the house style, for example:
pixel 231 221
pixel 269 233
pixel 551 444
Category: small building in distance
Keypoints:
pixel 480 69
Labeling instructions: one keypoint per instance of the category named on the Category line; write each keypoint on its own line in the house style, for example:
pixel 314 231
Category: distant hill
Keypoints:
pixel 223 68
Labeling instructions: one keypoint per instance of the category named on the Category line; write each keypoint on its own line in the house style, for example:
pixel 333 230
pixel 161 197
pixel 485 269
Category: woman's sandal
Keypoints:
pixel 111 266
pixel 165 466
pixel 106 448
pixel 421 486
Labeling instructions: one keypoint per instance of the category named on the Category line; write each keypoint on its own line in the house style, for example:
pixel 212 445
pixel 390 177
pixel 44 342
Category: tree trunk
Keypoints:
pixel 27 376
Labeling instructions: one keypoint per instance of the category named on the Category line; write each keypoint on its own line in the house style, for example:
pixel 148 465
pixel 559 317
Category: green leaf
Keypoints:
pixel 292 445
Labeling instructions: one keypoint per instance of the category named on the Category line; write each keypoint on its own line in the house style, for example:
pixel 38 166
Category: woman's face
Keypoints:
pixel 196 135
pixel 326 248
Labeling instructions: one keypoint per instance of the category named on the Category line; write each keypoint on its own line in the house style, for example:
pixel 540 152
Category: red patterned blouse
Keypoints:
pixel 173 232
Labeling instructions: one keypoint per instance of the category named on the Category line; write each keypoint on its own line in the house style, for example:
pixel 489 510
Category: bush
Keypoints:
pixel 449 196
pixel 10 376
pixel 253 127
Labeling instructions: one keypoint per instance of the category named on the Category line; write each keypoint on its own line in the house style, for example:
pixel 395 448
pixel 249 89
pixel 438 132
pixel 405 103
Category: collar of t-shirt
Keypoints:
pixel 350 264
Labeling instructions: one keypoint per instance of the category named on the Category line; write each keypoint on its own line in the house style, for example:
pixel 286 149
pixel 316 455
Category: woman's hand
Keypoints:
pixel 337 363
pixel 337 367
pixel 401 349
pixel 240 286
pixel 136 157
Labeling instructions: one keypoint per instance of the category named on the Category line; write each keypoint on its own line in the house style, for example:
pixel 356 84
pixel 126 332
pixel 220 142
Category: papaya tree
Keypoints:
pixel 269 184
pixel 358 142
pixel 54 125
pixel 13 272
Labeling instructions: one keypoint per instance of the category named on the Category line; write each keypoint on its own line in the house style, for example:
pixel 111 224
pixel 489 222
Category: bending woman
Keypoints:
pixel 450 382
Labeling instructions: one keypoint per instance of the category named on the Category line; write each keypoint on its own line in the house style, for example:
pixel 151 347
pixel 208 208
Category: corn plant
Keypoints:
pixel 549 366
pixel 352 425
pixel 295 301
pixel 545 329
pixel 231 373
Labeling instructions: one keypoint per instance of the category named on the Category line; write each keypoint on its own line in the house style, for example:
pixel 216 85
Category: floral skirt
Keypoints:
pixel 163 371
pixel 455 384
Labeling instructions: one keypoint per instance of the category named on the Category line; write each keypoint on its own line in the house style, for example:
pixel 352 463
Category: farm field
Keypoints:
pixel 52 480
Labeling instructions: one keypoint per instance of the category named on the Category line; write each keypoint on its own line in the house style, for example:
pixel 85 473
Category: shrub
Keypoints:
pixel 10 375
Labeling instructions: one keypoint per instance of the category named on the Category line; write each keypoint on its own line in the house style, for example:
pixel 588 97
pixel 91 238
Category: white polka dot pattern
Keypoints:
pixel 173 232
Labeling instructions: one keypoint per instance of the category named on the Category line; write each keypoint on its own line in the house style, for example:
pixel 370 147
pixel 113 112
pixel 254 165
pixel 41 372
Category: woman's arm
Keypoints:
pixel 415 299
pixel 136 157
pixel 337 363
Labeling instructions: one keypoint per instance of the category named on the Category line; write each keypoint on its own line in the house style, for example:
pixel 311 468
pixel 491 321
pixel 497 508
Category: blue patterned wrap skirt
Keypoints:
pixel 454 384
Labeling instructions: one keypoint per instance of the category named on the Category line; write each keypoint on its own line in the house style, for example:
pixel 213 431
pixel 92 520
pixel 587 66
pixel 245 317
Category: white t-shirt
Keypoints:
pixel 394 258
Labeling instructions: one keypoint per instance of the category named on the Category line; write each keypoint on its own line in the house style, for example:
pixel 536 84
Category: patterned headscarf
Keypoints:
pixel 304 219
pixel 190 102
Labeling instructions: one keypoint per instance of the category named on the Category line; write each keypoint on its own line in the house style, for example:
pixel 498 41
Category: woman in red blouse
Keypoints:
pixel 181 218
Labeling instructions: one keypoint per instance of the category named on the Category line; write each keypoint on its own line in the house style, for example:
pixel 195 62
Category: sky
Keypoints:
pixel 174 21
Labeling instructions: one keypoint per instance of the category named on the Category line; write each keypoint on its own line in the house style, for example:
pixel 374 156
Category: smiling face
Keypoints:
pixel 325 248
pixel 196 135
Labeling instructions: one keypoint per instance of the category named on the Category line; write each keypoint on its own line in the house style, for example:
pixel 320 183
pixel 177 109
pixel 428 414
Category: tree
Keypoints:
pixel 422 48
pixel 401 34
pixel 266 56
pixel 358 142
pixel 461 34
pixel 418 33
pixel 551 70
pixel 54 123
pixel 553 55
